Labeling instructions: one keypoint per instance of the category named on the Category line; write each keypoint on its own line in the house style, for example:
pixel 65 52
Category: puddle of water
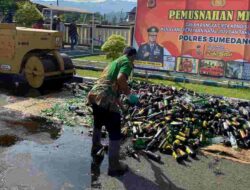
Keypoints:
pixel 60 161
pixel 14 120
pixel 8 140
pixel 66 162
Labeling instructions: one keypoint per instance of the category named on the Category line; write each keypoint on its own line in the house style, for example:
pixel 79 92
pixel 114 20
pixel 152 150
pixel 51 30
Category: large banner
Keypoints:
pixel 168 31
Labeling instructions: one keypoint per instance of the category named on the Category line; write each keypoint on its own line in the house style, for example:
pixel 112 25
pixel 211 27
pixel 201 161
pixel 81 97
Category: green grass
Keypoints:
pixel 88 73
pixel 222 91
pixel 101 58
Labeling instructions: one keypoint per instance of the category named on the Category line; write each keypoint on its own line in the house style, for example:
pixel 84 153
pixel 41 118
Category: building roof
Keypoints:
pixel 133 10
pixel 64 9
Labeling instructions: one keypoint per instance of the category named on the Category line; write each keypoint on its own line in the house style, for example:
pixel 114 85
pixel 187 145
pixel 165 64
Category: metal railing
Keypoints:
pixel 100 33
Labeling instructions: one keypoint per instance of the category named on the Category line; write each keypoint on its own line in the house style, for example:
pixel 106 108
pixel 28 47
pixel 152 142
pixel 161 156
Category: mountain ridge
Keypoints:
pixel 104 7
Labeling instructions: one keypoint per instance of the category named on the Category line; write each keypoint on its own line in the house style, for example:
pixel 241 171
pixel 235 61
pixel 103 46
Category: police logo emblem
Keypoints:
pixel 151 3
pixel 218 3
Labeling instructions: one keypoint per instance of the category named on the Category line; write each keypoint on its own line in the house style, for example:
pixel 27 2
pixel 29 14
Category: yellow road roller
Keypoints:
pixel 33 54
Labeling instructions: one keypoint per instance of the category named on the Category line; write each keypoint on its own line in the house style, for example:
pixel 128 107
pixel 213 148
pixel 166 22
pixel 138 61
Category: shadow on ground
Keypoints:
pixel 133 181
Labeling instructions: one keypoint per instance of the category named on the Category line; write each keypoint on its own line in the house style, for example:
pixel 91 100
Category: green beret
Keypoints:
pixel 153 29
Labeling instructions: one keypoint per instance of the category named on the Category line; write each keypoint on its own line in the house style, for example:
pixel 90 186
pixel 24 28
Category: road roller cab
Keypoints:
pixel 33 54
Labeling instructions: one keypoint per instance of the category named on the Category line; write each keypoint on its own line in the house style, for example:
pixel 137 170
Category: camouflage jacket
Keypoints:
pixel 105 92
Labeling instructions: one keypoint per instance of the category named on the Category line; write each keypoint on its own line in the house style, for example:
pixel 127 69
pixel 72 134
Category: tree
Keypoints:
pixel 27 14
pixel 69 17
pixel 6 5
pixel 7 8
pixel 114 20
pixel 105 20
pixel 121 17
pixel 98 17
pixel 114 46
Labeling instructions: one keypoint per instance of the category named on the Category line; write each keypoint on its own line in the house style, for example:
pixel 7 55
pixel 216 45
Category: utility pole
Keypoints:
pixel 92 40
pixel 121 19
pixel 57 3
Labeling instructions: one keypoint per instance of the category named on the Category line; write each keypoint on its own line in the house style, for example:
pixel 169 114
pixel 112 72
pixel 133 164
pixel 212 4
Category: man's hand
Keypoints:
pixel 133 99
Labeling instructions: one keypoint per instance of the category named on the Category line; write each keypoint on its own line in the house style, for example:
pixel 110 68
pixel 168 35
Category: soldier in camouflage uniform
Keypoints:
pixel 104 99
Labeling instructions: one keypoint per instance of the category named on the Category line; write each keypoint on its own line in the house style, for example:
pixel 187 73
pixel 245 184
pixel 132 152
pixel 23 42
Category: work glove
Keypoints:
pixel 133 99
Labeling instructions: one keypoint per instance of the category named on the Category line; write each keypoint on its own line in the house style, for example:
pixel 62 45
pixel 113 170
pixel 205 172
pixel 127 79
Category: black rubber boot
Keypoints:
pixel 96 141
pixel 116 168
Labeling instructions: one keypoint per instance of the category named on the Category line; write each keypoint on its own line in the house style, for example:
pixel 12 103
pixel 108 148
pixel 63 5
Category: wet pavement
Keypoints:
pixel 36 154
pixel 39 154
pixel 63 164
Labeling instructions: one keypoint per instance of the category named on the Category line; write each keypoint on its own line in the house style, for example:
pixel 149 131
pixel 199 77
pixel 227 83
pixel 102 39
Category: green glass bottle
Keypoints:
pixel 139 144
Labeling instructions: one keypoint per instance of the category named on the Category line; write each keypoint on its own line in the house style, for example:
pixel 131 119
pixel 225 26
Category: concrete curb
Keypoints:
pixel 79 61
pixel 81 79
pixel 79 56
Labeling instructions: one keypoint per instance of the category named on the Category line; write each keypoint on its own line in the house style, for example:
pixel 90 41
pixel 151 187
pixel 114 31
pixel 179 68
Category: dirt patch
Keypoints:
pixel 241 155
pixel 3 99
pixel 16 126
pixel 58 107
pixel 34 106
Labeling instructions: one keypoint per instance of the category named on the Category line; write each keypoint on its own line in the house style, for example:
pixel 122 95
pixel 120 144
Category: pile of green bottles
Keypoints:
pixel 177 122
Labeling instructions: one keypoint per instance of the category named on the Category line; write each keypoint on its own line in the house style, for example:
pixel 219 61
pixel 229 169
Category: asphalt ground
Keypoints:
pixel 38 161
pixel 205 172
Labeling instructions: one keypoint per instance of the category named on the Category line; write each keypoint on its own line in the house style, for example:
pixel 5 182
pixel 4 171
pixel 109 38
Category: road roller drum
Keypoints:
pixel 33 54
